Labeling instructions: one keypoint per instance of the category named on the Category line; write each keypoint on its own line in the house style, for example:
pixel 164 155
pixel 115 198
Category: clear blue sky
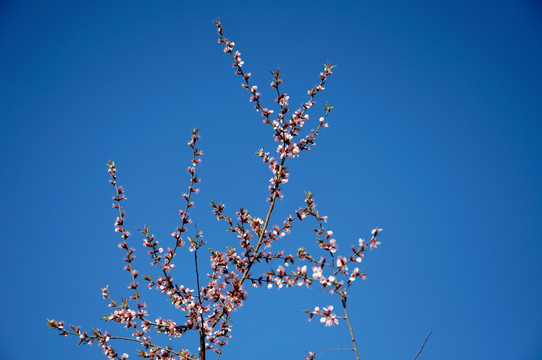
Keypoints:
pixel 435 137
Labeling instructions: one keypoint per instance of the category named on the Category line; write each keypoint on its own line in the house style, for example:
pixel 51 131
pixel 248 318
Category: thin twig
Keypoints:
pixel 355 348
pixel 338 349
pixel 420 351
pixel 201 329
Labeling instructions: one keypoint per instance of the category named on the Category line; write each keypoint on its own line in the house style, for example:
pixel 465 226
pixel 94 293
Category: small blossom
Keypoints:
pixel 317 272
pixel 354 274
pixel 331 246
pixel 341 263
pixel 329 319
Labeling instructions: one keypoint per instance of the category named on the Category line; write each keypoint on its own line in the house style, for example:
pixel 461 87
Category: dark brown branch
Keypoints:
pixel 338 349
pixel 420 351
pixel 201 329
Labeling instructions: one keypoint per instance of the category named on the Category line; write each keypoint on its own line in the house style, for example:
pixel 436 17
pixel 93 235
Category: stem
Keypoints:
pixel 423 345
pixel 355 349
pixel 201 329
pixel 264 228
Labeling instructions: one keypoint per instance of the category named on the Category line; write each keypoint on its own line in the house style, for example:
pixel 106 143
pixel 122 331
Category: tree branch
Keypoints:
pixel 420 351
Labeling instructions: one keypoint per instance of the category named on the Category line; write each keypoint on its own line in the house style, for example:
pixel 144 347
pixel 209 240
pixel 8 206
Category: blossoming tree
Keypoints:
pixel 210 306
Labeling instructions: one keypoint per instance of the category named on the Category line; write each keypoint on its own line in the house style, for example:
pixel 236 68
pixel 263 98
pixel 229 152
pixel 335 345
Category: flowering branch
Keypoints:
pixel 209 307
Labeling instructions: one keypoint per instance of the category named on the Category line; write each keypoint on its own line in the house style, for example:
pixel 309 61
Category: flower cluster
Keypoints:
pixel 286 128
pixel 327 317
pixel 208 307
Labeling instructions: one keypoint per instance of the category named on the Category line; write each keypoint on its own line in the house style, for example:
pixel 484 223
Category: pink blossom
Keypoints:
pixel 317 272
pixel 331 246
pixel 327 281
pixel 341 263
pixel 329 319
pixel 354 274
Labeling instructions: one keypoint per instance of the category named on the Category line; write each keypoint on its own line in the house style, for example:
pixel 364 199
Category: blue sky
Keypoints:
pixel 435 137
